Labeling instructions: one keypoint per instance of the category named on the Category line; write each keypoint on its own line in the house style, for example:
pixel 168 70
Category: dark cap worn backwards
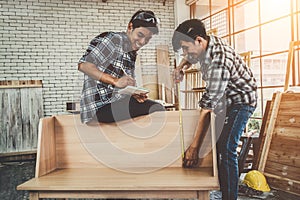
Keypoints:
pixel 145 18
pixel 188 31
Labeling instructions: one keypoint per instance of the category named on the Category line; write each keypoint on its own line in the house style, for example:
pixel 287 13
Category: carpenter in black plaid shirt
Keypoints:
pixel 230 93
pixel 108 65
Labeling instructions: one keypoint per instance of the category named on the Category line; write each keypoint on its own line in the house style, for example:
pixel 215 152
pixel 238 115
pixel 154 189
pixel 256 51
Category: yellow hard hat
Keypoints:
pixel 256 180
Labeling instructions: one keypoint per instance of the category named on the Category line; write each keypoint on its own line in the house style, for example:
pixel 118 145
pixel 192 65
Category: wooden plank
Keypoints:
pixel 282 170
pixel 120 194
pixel 289 120
pixel 283 184
pixel 25 114
pixel 213 142
pixel 287 145
pixel 20 83
pixel 14 134
pixel 258 143
pixel 269 131
pixel 164 74
pixel 284 151
pixel 36 112
pixel 291 97
pixel 289 63
pixel 286 131
pixel 46 153
pixel 281 157
pixel 17 156
pixel 34 196
pixel 107 179
pixel 203 195
pixel 4 122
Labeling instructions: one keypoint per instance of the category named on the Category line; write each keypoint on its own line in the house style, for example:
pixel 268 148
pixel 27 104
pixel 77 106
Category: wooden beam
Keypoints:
pixel 269 132
pixel 258 144
pixel 289 63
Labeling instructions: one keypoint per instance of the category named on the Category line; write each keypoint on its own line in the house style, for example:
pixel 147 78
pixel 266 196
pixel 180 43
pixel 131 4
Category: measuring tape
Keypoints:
pixel 180 116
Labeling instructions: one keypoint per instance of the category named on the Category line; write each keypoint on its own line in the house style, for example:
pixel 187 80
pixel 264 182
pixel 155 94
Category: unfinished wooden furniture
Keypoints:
pixel 139 158
pixel 279 152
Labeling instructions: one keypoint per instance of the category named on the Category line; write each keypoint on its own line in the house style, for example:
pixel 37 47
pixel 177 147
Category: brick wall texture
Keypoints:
pixel 44 39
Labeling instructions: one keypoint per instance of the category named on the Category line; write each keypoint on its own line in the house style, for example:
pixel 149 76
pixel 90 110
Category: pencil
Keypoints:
pixel 124 71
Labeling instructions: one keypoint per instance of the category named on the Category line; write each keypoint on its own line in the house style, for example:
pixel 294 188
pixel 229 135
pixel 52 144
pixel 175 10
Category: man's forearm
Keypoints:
pixel 201 129
pixel 91 70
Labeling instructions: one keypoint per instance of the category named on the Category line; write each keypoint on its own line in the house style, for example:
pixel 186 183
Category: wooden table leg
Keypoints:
pixel 34 196
pixel 203 195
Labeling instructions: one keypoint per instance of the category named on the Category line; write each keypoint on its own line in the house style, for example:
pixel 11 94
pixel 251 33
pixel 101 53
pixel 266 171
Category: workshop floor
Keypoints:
pixel 15 173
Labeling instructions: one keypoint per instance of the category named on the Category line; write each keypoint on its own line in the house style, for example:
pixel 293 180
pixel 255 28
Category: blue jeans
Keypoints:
pixel 234 125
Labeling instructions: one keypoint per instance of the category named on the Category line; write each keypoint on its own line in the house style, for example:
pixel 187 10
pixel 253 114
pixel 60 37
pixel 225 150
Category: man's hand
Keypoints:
pixel 141 98
pixel 191 158
pixel 124 81
pixel 178 75
pixel 179 71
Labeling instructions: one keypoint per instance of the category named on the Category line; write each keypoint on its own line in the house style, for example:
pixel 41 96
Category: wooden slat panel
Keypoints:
pixel 21 109
pixel 283 161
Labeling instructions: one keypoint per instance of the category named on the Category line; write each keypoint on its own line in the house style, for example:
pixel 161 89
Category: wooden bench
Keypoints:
pixel 138 158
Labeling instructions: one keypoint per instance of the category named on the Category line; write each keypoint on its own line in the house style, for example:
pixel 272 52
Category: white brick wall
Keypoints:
pixel 44 39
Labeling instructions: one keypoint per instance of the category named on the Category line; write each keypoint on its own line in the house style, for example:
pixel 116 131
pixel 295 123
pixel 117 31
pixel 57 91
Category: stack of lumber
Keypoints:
pixel 280 159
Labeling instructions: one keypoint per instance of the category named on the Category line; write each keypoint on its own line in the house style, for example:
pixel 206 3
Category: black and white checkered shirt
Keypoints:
pixel 226 73
pixel 110 52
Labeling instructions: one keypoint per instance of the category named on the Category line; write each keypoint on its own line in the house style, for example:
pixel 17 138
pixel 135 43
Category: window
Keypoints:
pixel 246 15
pixel 273 9
pixel 276 36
